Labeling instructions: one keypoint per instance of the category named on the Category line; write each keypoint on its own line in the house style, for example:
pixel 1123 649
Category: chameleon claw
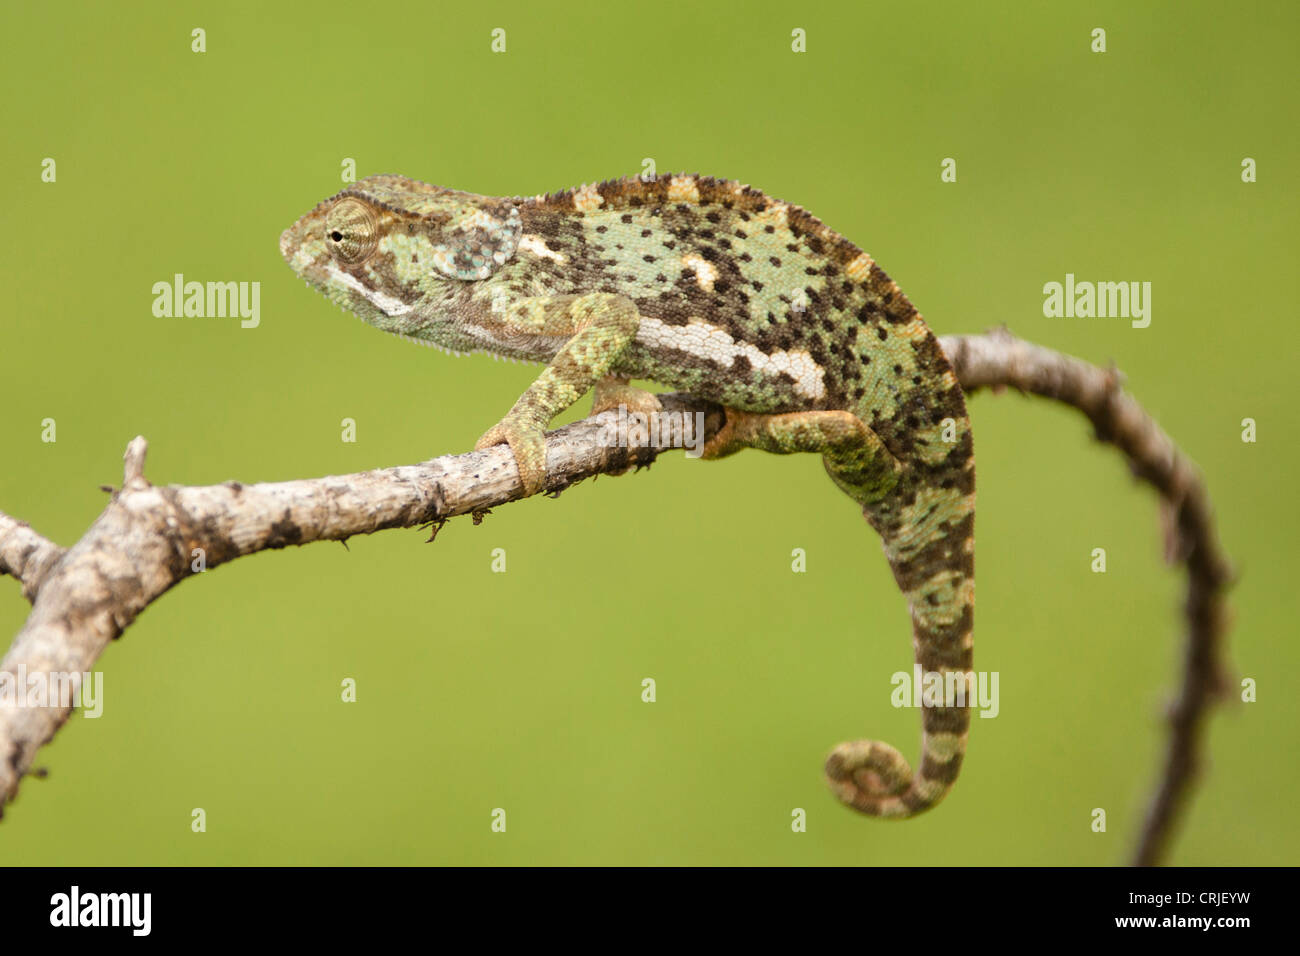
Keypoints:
pixel 527 445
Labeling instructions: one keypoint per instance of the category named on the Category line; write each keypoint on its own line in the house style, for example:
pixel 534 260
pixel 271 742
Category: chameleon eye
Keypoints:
pixel 350 230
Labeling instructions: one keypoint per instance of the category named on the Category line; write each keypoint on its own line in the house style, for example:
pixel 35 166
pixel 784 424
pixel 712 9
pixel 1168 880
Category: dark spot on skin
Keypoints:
pixel 724 243
pixel 881 333
pixel 769 229
pixel 601 228
pixel 898 370
pixel 670 244
pixel 740 234
pixel 626 217
pixel 661 278
pixel 792 246
pixel 758 286
pixel 771 318
pixel 713 217
pixel 744 257
pixel 743 298
pixel 415 257
pixel 645 232
pixel 710 254
pixel 648 258
pixel 859 392
pixel 809 270
pixel 916 380
pixel 775 261
pixel 744 217
pixel 552 245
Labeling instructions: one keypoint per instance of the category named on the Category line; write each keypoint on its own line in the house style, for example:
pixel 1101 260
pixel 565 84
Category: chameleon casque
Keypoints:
pixel 710 287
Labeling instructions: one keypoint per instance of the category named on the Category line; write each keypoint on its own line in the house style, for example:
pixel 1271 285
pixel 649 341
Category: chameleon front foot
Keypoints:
pixel 612 392
pixel 528 445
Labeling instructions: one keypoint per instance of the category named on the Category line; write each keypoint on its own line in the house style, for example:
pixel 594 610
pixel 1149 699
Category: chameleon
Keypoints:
pixel 713 288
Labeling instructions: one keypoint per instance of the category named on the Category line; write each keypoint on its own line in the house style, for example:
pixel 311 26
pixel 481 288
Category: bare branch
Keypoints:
pixel 149 539
pixel 25 555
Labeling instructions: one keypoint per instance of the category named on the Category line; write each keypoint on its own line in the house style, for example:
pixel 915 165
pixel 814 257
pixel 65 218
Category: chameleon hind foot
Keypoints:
pixel 790 433
pixel 855 457
pixel 870 777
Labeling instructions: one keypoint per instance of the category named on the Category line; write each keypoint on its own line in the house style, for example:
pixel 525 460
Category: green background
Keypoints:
pixel 522 690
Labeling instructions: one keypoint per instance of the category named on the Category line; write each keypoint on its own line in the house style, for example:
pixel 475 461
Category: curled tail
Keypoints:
pixel 933 562
pixel 927 525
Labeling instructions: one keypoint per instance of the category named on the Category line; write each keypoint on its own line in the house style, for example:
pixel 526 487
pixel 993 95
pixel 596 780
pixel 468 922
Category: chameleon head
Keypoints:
pixel 388 244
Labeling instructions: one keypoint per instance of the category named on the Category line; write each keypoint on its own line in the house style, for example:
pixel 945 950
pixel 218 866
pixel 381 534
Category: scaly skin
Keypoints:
pixel 710 287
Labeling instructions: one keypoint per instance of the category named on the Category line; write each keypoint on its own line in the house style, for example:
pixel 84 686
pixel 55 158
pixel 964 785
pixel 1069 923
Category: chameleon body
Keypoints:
pixel 711 287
